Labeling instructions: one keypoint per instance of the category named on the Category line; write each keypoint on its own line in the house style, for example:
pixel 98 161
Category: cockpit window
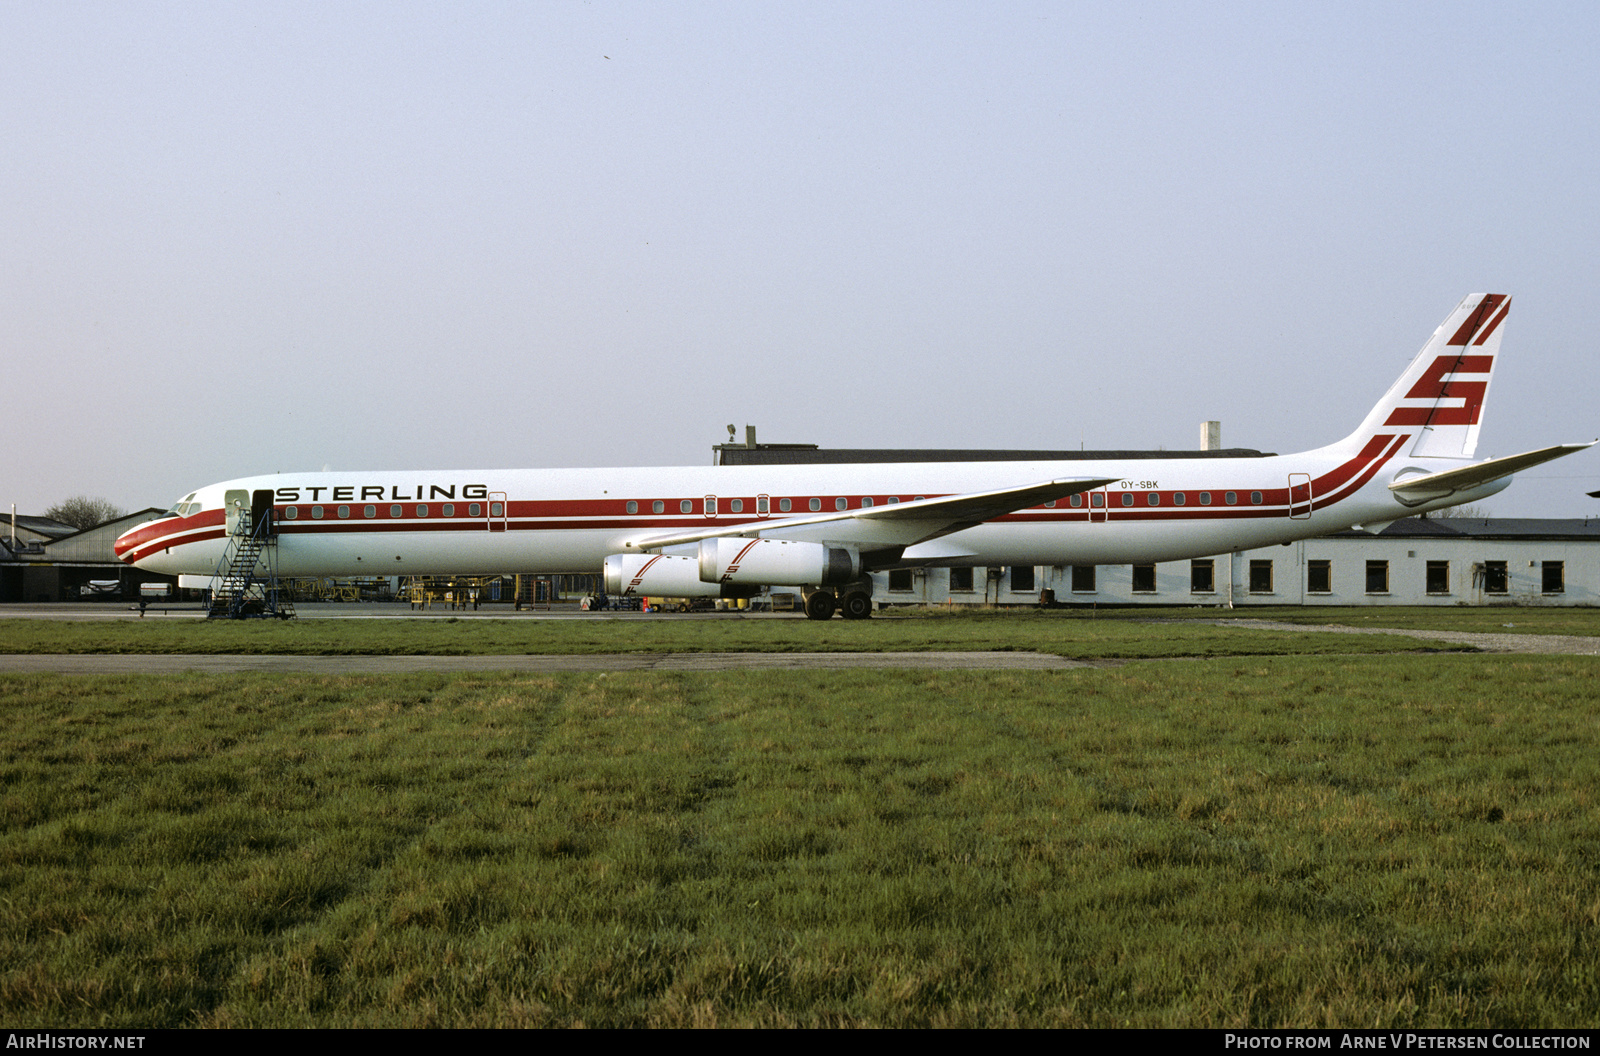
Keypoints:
pixel 183 507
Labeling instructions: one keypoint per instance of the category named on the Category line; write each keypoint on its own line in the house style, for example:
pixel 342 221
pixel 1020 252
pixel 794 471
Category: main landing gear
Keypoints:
pixel 854 605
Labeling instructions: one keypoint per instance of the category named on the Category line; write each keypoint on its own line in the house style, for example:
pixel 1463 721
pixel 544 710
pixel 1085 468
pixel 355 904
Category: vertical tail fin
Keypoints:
pixel 1440 397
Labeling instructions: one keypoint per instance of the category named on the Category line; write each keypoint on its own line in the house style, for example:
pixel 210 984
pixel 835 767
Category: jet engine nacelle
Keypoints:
pixel 664 576
pixel 775 561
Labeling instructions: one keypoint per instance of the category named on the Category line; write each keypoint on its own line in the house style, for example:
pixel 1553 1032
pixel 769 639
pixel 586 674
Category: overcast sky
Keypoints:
pixel 242 238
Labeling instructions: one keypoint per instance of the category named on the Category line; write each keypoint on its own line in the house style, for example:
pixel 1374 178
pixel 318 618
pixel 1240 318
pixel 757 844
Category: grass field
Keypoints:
pixel 1262 841
pixel 1083 635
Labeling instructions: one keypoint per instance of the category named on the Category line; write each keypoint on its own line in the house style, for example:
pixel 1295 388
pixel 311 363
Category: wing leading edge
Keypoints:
pixel 897 524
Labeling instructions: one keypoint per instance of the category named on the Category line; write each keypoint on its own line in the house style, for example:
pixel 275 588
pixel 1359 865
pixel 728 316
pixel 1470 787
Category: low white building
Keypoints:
pixel 1438 561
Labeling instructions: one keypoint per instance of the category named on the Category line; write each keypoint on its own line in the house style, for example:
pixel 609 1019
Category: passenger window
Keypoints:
pixel 291 513
pixel 1205 498
pixel 1255 498
pixel 1127 498
pixel 784 505
pixel 448 509
pixel 369 511
pixel 1076 501
pixel 496 509
pixel 816 504
pixel 422 511
pixel 841 503
pixel 685 506
pixel 344 512
pixel 1178 498
pixel 658 507
pixel 316 513
pixel 1230 497
pixel 632 507
pixel 736 505
pixel 395 511
pixel 1153 498
pixel 476 509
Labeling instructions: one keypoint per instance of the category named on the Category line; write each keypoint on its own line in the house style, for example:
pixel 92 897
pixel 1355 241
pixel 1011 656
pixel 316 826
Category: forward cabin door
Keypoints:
pixel 1099 505
pixel 234 507
pixel 497 511
pixel 260 506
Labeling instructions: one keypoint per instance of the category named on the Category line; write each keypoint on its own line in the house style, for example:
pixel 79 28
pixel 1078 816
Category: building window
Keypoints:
pixel 961 580
pixel 1319 577
pixel 1495 580
pixel 1377 577
pixel 1083 579
pixel 1203 576
pixel 1260 576
pixel 1022 579
pixel 1144 579
pixel 1438 577
pixel 1555 578
pixel 900 580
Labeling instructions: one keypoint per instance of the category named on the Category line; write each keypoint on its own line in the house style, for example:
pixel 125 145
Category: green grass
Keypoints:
pixel 1499 619
pixel 1395 841
pixel 1073 634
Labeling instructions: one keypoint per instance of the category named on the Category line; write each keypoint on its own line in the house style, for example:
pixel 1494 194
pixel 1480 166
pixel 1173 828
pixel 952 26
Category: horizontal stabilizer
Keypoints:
pixel 912 522
pixel 1438 485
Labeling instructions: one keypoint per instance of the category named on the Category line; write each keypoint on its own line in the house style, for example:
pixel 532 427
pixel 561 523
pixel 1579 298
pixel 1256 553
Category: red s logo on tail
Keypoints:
pixel 1438 383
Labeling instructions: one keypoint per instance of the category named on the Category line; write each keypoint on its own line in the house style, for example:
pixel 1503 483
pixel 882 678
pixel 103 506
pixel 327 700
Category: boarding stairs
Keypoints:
pixel 245 585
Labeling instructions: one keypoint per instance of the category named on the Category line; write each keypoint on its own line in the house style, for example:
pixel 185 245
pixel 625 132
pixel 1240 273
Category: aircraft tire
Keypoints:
pixel 820 605
pixel 856 605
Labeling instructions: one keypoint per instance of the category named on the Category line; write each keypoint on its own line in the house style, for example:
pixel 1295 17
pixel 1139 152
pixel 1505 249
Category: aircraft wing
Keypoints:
pixel 896 524
pixel 1437 485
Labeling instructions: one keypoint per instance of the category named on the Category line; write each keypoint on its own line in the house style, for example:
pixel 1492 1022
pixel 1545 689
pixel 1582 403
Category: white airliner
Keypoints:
pixel 730 531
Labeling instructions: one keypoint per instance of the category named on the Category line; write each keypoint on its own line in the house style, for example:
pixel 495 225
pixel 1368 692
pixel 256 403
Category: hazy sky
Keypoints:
pixel 241 238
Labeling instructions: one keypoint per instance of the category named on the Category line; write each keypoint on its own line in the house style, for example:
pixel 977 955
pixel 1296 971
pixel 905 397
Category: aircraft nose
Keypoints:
pixel 124 545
